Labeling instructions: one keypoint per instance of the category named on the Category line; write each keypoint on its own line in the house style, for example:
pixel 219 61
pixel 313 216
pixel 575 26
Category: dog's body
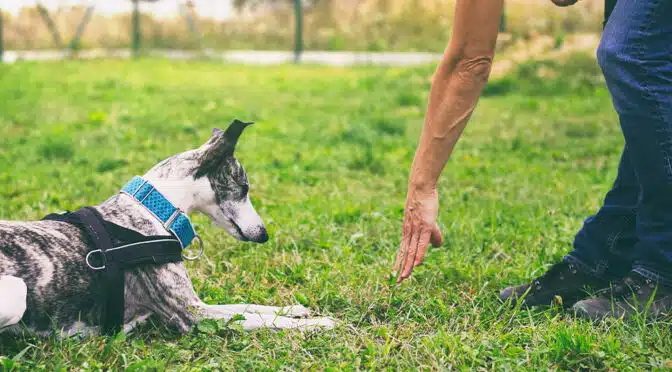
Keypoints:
pixel 42 267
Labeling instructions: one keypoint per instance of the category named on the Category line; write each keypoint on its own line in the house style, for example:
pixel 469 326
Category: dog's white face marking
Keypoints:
pixel 238 218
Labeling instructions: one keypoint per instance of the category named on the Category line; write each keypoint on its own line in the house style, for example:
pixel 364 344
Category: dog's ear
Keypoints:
pixel 234 131
pixel 222 144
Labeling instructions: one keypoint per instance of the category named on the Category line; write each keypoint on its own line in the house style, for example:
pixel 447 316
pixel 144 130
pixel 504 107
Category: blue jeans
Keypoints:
pixel 633 229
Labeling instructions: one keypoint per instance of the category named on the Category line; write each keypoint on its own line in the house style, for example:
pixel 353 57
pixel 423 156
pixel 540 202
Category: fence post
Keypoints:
pixel 2 48
pixel 502 20
pixel 136 28
pixel 298 41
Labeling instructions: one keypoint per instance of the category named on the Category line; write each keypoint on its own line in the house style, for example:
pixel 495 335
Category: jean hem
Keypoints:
pixel 597 270
pixel 652 275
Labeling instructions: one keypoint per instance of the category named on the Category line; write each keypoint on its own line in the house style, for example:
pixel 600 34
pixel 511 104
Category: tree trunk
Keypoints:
pixel 74 44
pixel 51 26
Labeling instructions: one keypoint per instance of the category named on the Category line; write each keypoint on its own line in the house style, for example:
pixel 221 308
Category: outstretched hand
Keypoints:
pixel 457 84
pixel 419 230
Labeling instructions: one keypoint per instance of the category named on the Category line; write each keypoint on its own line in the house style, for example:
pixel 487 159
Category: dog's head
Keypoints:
pixel 228 202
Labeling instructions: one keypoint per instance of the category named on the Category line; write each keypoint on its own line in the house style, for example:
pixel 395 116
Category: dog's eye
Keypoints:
pixel 246 189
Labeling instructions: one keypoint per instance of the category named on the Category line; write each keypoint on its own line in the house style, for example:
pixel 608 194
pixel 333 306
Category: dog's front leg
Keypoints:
pixel 168 293
pixel 294 311
pixel 264 317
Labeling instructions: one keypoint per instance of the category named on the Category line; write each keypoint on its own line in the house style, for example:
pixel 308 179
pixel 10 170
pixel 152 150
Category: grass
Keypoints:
pixel 328 161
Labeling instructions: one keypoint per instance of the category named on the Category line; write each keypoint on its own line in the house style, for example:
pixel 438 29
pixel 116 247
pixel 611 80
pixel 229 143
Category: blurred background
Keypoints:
pixel 198 27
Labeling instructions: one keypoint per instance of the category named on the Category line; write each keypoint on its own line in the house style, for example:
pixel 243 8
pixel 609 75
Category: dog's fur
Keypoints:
pixel 43 272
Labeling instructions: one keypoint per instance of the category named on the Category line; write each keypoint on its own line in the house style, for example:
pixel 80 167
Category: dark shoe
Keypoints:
pixel 562 280
pixel 634 294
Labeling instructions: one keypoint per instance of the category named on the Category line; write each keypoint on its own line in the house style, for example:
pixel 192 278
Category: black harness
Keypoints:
pixel 115 249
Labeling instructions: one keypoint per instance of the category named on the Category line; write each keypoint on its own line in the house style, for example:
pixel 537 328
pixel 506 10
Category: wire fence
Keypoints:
pixel 204 26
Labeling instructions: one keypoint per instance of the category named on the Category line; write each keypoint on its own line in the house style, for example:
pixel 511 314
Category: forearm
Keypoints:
pixel 457 84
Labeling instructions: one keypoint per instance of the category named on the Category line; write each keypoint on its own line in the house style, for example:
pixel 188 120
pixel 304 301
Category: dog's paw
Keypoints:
pixel 294 311
pixel 322 323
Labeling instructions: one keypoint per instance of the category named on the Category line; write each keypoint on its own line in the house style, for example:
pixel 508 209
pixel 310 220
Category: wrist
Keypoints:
pixel 421 186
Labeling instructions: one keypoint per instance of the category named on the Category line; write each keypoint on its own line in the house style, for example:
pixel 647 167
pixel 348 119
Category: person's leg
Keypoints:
pixel 601 249
pixel 604 245
pixel 636 57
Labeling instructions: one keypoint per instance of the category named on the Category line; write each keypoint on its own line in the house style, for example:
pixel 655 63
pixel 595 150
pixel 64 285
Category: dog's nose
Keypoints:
pixel 262 237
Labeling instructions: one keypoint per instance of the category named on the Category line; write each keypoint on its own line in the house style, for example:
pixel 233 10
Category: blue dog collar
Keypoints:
pixel 173 219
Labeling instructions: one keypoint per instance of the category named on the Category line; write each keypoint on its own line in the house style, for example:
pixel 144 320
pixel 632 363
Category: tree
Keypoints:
pixel 298 5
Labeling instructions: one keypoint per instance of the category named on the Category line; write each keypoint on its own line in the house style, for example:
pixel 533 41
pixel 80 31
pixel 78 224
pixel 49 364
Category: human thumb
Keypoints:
pixel 436 239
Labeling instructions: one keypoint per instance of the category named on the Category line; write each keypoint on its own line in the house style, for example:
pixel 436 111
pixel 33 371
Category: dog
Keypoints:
pixel 46 284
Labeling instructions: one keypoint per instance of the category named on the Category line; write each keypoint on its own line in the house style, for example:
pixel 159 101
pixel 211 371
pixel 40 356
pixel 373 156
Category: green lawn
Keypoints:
pixel 328 163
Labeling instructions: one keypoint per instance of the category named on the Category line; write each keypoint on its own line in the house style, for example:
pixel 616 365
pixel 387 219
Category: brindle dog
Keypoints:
pixel 46 286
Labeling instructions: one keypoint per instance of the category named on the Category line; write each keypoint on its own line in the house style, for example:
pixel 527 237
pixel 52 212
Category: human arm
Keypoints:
pixel 456 87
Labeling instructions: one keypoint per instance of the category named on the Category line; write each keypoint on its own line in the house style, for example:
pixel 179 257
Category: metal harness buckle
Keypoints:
pixel 96 268
pixel 200 251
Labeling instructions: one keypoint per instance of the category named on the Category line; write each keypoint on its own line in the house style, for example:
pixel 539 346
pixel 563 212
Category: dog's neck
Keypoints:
pixel 174 179
pixel 181 192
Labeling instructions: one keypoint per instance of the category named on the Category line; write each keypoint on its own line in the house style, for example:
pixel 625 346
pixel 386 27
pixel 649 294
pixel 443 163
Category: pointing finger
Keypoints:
pixel 410 256
pixel 421 249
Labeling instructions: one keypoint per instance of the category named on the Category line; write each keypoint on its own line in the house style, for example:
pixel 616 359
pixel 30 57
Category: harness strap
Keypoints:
pixel 113 297
pixel 133 251
pixel 156 251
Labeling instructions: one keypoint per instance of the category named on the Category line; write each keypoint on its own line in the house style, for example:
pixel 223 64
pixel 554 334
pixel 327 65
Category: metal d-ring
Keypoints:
pixel 200 251
pixel 96 268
